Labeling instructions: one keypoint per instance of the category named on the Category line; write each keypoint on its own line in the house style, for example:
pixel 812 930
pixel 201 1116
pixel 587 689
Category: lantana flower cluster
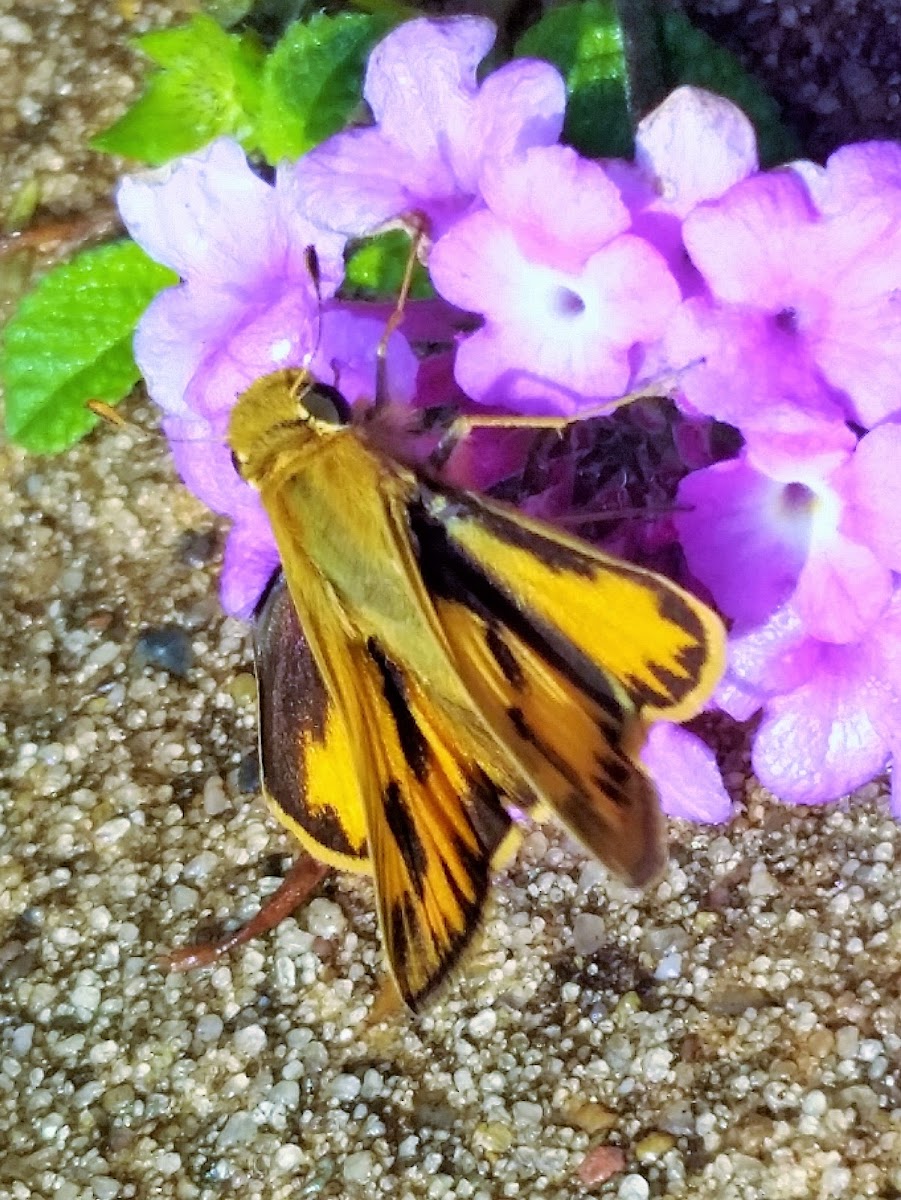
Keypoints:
pixel 764 301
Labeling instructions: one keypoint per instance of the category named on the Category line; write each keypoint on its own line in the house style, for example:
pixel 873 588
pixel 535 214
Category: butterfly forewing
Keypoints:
pixel 572 732
pixel 655 643
pixel 436 823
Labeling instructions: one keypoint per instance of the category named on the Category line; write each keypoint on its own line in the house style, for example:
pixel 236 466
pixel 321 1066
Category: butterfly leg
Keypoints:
pixel 417 238
pixel 463 424
pixel 297 885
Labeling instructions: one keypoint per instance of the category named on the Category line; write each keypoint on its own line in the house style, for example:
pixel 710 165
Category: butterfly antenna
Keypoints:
pixel 394 321
pixel 312 260
pixel 107 413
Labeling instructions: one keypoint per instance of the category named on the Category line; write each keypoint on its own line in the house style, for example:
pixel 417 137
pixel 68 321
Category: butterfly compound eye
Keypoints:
pixel 325 403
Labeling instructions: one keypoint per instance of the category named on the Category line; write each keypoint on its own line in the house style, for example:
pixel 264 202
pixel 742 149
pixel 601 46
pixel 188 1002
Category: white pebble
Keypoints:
pixel 201 865
pixel 591 875
pixel 288 1158
pixel 358 1166
pixel 324 918
pixel 250 1041
pixel 285 1094
pixel 112 831
pixel 589 933
pixel 345 1087
pixel 656 1064
pixel 814 1104
pixel 238 1130
pixel 669 967
pixel 15 32
pixel 633 1187
pixel 372 1084
pixel 215 801
pixel 22 1039
pixel 847 1041
pixel 167 1162
pixel 761 882
pixel 105 1188
pixel 526 1112
pixel 85 999
pixel 483 1024
pixel 182 899
pixel 209 1028
pixel 835 1181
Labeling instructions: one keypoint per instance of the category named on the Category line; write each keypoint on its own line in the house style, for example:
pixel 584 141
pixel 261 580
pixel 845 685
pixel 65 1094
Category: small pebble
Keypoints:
pixel 215 801
pixel 589 933
pixel 358 1166
pixel 166 647
pixel 209 1028
pixel 324 918
pixel 656 1063
pixel 762 883
pixel 633 1187
pixel 248 778
pixel 669 967
pixel 345 1087
pixel 847 1041
pixel 601 1164
pixel 483 1024
pixel 239 1129
pixel 288 1158
pixel 592 1117
pixel 525 1112
pixel 85 999
pixel 653 1145
pixel 250 1041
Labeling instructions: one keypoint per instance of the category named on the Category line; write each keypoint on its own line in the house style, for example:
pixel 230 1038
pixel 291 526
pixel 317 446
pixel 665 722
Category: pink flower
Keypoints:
pixel 831 713
pixel 810 518
pixel 567 294
pixel 435 127
pixel 804 304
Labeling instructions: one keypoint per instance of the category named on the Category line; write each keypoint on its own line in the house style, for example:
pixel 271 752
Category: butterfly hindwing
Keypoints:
pixel 308 770
pixel 434 818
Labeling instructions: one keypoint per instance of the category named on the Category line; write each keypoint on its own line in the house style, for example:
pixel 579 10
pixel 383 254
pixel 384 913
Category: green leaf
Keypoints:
pixel 585 43
pixel 70 341
pixel 313 81
pixel 209 85
pixel 695 58
pixel 375 269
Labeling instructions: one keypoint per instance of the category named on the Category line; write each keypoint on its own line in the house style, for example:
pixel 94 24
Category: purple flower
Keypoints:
pixel 435 126
pixel 831 713
pixel 567 295
pixel 692 147
pixel 804 304
pixel 811 517
pixel 246 306
pixel 685 770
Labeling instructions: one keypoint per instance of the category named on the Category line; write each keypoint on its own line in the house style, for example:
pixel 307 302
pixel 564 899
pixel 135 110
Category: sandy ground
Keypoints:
pixel 735 1032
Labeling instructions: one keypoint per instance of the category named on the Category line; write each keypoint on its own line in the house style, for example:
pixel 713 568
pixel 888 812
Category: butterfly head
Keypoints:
pixel 280 412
